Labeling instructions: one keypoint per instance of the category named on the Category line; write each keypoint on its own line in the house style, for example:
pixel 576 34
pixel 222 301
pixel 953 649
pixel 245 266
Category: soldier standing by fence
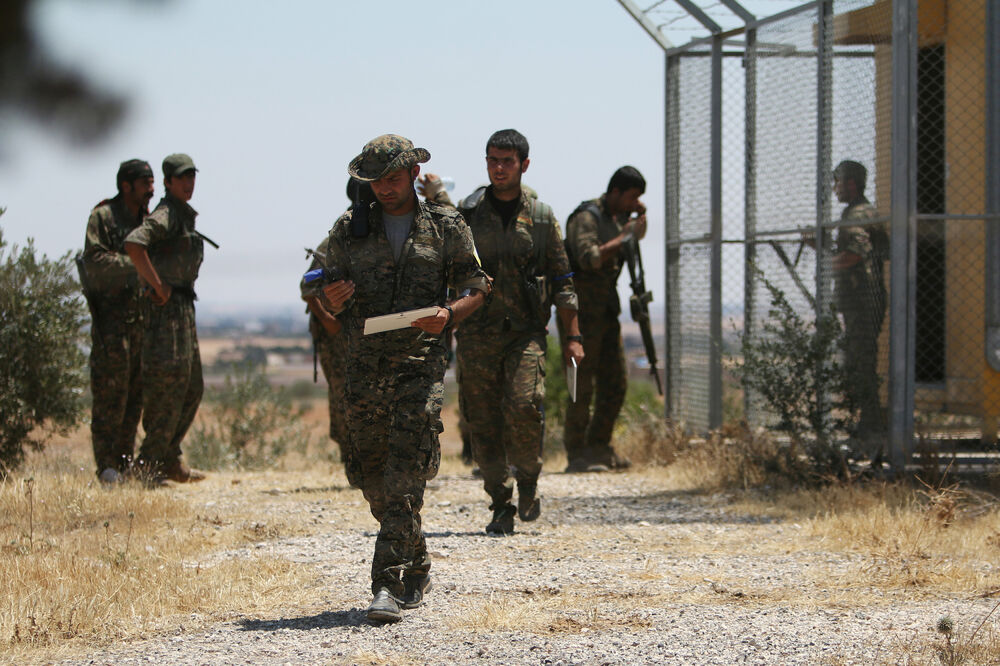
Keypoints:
pixel 596 233
pixel 110 284
pixel 858 262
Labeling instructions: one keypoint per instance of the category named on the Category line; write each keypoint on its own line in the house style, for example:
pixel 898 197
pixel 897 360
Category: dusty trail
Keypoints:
pixel 620 569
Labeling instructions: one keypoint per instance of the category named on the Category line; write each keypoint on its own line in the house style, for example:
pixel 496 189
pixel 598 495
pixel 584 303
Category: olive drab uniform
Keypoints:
pixel 395 379
pixel 332 353
pixel 111 286
pixel 501 346
pixel 601 377
pixel 861 299
pixel 171 361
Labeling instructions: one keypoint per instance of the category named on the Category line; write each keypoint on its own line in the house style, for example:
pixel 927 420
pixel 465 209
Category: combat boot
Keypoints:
pixel 414 588
pixel 503 520
pixel 384 607
pixel 529 507
pixel 181 473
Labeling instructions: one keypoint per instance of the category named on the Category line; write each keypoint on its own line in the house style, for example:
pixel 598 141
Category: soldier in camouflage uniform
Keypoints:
pixel 595 235
pixel 168 251
pixel 111 286
pixel 501 347
pixel 858 262
pixel 396 254
pixel 331 349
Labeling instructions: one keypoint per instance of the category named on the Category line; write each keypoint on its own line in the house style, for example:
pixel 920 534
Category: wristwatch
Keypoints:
pixel 451 315
pixel 574 338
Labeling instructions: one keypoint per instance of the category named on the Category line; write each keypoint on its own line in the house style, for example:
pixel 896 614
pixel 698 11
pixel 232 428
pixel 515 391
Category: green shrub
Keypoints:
pixel 792 364
pixel 42 365
pixel 247 424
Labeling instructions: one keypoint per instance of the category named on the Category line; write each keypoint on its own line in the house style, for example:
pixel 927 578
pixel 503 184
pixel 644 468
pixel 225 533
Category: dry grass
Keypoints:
pixel 85 565
pixel 81 565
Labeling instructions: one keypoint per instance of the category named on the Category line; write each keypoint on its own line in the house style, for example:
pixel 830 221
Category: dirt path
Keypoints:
pixel 620 569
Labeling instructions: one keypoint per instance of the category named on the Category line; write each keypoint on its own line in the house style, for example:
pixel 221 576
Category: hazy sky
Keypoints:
pixel 272 99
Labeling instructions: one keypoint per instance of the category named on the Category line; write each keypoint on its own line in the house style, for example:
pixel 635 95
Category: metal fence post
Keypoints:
pixel 902 264
pixel 671 210
pixel 749 193
pixel 715 309
pixel 992 338
pixel 824 111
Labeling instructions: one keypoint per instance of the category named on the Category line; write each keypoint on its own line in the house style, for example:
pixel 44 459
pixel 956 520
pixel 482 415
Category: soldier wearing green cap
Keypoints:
pixel 167 252
pixel 110 284
pixel 396 254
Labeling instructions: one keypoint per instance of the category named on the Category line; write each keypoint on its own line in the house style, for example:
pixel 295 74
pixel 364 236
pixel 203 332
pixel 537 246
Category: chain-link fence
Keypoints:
pixel 795 168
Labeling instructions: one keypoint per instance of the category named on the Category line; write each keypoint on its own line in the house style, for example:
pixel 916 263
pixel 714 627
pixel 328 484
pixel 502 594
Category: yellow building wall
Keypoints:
pixel 971 386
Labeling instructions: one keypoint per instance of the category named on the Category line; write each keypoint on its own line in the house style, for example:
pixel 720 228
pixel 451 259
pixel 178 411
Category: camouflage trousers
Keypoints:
pixel 172 380
pixel 502 394
pixel 863 319
pixel 601 379
pixel 116 387
pixel 332 353
pixel 394 418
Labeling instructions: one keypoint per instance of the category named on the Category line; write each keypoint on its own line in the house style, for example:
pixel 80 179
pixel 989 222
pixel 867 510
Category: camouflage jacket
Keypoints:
pixel 437 254
pixel 509 257
pixel 596 285
pixel 112 281
pixel 175 248
pixel 864 277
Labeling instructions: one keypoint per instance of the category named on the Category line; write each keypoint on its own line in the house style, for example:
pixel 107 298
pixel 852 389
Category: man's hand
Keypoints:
pixel 162 295
pixel 435 323
pixel 326 320
pixel 574 350
pixel 336 294
pixel 429 186
pixel 636 226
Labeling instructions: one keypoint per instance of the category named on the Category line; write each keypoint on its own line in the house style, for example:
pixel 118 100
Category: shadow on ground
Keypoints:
pixel 668 507
pixel 354 617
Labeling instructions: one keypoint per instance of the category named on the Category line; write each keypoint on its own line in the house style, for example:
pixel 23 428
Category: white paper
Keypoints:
pixel 571 378
pixel 391 322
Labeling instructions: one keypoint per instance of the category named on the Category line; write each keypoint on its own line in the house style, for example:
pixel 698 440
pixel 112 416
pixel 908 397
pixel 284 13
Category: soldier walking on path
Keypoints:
pixel 110 284
pixel 501 347
pixel 396 255
pixel 167 252
pixel 596 235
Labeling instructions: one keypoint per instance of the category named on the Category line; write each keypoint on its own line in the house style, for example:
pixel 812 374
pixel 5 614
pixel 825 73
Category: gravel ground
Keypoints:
pixel 620 569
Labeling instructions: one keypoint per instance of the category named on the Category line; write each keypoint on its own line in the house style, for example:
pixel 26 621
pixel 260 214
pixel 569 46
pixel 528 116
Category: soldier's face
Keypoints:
pixel 181 186
pixel 139 191
pixel 395 190
pixel 505 168
pixel 624 202
pixel 844 189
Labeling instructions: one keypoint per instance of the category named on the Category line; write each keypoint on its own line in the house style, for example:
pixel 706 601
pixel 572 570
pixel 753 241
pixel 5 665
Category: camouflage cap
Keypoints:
pixel 131 170
pixel 389 152
pixel 177 164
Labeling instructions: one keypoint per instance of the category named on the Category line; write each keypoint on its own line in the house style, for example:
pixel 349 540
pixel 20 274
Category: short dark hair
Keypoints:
pixel 626 178
pixel 509 138
pixel 130 171
pixel 850 170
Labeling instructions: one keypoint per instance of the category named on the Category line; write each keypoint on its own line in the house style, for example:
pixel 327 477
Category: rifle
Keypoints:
pixel 639 304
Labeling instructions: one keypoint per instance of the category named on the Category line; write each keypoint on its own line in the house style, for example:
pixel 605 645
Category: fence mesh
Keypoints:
pixel 807 156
